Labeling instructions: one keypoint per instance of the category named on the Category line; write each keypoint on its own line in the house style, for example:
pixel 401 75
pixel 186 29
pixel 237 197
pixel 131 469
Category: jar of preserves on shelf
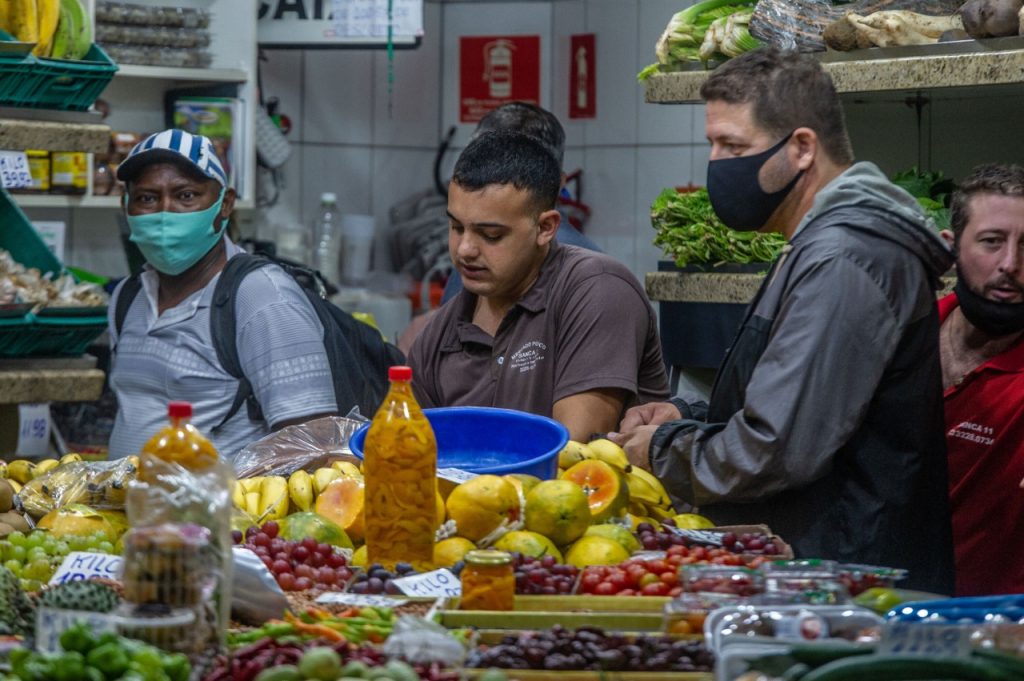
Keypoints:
pixel 488 581
pixel 39 168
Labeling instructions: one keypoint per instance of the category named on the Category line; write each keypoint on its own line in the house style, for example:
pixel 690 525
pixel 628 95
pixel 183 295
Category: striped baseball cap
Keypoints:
pixel 173 146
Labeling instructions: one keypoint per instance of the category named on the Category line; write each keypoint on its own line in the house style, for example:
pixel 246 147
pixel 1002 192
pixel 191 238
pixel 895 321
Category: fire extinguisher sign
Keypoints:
pixel 494 70
pixel 582 77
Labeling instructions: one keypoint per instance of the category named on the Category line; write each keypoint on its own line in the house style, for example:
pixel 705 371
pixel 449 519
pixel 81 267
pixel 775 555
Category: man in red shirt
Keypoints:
pixel 982 350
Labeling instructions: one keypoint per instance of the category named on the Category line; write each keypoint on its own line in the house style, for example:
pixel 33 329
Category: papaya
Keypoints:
pixel 342 503
pixel 606 489
pixel 298 526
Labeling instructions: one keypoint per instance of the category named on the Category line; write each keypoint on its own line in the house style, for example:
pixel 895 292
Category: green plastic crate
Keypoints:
pixel 64 84
pixel 33 334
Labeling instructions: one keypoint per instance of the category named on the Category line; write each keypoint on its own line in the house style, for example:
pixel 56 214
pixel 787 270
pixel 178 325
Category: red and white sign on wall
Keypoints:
pixel 497 69
pixel 582 77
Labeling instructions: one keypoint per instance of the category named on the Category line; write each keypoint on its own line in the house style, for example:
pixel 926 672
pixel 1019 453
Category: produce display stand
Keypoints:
pixel 543 674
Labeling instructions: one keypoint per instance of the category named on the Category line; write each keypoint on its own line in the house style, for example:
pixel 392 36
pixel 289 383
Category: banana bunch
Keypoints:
pixel 647 496
pixel 61 29
pixel 272 497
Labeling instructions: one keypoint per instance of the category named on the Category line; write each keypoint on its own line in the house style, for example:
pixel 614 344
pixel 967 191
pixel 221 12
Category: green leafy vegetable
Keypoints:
pixel 689 232
pixel 932 190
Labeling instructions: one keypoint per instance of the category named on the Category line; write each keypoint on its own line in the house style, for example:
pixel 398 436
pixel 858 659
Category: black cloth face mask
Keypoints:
pixel 988 316
pixel 736 194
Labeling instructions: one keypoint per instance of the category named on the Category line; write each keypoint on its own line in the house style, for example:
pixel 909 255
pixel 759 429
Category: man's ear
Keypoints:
pixel 949 237
pixel 807 147
pixel 228 206
pixel 548 222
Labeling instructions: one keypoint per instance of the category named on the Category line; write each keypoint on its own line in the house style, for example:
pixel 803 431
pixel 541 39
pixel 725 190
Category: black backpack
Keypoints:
pixel 358 355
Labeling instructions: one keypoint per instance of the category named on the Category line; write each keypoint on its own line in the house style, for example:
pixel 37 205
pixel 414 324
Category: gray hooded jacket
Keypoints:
pixel 826 418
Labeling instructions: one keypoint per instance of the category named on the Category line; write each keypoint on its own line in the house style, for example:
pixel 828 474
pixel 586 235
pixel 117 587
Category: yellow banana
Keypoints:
pixel 3 464
pixel 660 512
pixel 640 490
pixel 273 498
pixel 44 467
pixel 48 12
pixel 300 489
pixel 251 484
pixel 70 458
pixel 572 453
pixel 348 469
pixel 605 450
pixel 20 470
pixel 238 495
pixel 23 20
pixel 15 485
pixel 252 504
pixel 323 477
pixel 655 484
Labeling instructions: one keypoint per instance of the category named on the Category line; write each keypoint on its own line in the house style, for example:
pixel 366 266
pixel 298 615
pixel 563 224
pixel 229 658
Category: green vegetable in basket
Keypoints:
pixel 109 658
pixel 688 30
pixel 689 232
pixel 77 638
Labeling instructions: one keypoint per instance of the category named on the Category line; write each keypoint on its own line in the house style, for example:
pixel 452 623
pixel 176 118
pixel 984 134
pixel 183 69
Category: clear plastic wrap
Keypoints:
pixel 147 55
pixel 102 485
pixel 305 446
pixel 159 36
pixel 109 11
pixel 800 24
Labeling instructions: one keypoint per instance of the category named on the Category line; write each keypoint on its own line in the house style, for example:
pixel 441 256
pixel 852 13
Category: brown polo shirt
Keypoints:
pixel 585 324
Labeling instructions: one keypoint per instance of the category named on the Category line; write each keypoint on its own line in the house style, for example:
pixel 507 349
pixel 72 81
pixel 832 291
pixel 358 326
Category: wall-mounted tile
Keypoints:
pixel 397 175
pixel 414 116
pixel 338 102
pixel 342 170
pixel 568 18
pixel 281 74
pixel 981 129
pixel 701 156
pixel 659 123
pixel 657 168
pixel 93 239
pixel 497 18
pixel 609 176
pixel 615 23
pixel 884 132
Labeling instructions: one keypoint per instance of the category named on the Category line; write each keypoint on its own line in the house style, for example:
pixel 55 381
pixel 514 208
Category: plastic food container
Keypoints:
pixel 804 581
pixel 859 578
pixel 171 565
pixel 767 623
pixel 487 440
pixel 740 582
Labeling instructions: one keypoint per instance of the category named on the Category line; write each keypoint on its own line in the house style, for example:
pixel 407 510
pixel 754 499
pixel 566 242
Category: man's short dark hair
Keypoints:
pixel 788 90
pixel 523 161
pixel 1006 179
pixel 528 119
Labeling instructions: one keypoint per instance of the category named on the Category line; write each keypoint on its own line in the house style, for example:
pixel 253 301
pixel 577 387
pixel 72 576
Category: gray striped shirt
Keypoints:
pixel 168 357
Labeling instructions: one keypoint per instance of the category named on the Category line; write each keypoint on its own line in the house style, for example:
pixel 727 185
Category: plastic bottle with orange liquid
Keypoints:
pixel 178 442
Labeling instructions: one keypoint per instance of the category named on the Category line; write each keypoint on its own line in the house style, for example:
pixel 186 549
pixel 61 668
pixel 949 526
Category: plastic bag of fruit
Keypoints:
pixel 305 446
pixel 98 484
pixel 420 641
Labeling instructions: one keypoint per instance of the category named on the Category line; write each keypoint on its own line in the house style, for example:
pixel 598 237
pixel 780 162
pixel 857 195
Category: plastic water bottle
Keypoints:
pixel 327 248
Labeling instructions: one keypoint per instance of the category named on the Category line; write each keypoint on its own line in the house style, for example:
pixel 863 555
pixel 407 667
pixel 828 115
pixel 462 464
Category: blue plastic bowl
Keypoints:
pixel 488 440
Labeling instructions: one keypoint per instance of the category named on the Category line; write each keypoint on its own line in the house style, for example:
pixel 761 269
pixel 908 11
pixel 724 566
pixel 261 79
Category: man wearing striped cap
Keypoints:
pixel 177 203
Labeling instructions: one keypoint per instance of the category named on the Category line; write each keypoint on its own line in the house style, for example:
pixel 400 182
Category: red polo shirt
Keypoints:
pixel 985 438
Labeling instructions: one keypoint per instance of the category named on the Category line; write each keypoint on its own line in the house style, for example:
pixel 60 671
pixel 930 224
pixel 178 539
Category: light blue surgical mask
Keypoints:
pixel 174 242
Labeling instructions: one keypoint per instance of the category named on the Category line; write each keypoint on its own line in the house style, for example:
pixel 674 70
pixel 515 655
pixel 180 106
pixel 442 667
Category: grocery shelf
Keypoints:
pixel 17 133
pixel 181 73
pixel 882 70
pixel 32 379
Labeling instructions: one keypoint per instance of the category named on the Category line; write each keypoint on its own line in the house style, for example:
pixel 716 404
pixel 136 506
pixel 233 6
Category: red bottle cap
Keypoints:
pixel 179 410
pixel 400 373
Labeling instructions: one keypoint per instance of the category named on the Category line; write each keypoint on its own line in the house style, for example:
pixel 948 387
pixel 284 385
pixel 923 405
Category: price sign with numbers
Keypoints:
pixel 14 172
pixel 434 584
pixel 456 475
pixel 928 639
pixel 361 600
pixel 33 430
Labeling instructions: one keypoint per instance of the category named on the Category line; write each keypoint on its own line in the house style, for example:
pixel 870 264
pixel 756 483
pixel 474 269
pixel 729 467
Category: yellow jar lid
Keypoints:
pixel 487 557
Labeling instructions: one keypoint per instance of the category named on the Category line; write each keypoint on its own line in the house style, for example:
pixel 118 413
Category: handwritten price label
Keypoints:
pixel 14 172
pixel 925 639
pixel 456 475
pixel 362 600
pixel 80 565
pixel 430 584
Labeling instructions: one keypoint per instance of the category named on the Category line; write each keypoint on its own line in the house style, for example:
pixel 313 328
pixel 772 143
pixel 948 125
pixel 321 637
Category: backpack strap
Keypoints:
pixel 125 298
pixel 223 329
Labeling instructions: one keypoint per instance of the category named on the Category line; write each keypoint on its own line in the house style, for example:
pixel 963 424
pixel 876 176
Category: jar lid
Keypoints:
pixel 487 557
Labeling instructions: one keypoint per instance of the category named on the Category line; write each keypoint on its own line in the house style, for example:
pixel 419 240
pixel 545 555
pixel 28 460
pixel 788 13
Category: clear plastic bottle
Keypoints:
pixel 327 249
pixel 400 469
pixel 178 442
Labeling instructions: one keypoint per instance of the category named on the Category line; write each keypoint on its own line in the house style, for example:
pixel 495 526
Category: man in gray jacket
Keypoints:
pixel 825 421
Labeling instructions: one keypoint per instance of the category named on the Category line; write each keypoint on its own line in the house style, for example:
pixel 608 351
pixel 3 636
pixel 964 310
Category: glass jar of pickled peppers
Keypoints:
pixel 488 581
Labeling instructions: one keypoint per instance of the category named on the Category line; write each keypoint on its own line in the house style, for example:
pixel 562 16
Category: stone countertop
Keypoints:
pixel 49 385
pixel 715 287
pixel 19 134
pixel 924 72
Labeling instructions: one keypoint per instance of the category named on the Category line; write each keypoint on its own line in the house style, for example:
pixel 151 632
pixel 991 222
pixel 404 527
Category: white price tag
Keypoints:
pixel 430 584
pixel 14 170
pixel 33 430
pixel 699 536
pixel 456 475
pixel 51 623
pixel 80 565
pixel 649 555
pixel 926 639
pixel 369 18
pixel 361 600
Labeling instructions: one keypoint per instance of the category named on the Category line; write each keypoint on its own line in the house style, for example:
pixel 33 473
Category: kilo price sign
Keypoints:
pixel 14 172
pixel 925 639
pixel 439 583
pixel 79 565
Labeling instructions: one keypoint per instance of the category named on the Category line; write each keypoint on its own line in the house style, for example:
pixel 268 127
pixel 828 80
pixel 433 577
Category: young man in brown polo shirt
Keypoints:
pixel 540 327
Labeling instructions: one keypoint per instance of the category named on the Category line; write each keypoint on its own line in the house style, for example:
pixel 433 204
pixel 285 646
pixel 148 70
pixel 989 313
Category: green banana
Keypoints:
pixel 63 37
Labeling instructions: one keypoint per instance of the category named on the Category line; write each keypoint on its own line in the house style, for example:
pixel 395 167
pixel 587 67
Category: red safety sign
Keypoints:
pixel 494 70
pixel 582 77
